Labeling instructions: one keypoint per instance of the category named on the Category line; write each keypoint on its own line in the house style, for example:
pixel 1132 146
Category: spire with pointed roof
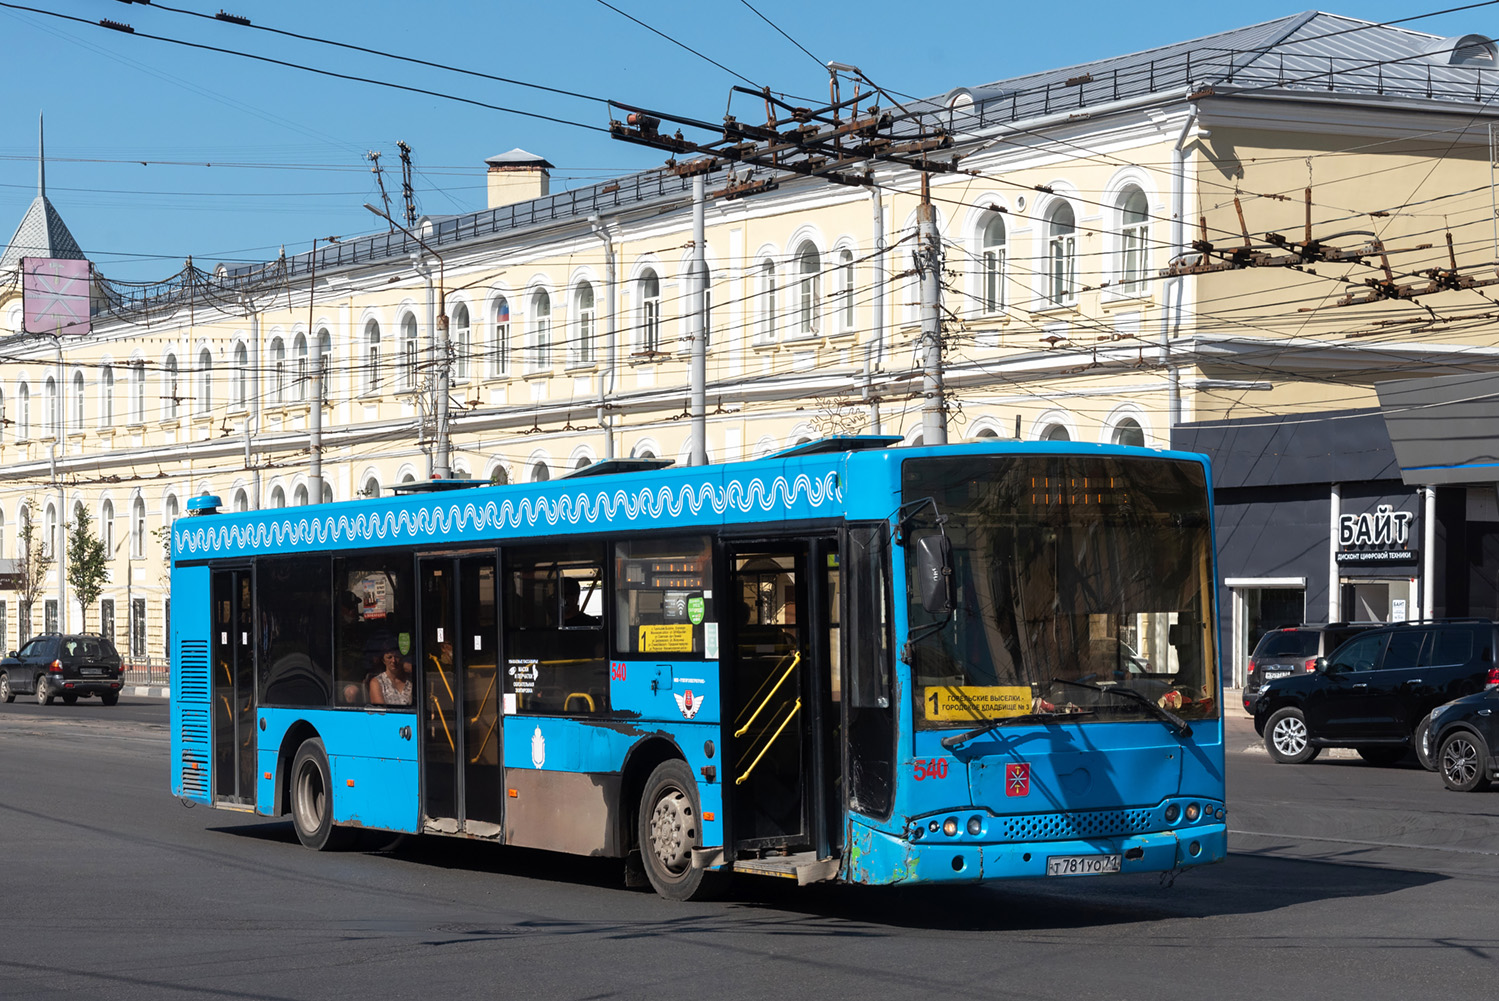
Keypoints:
pixel 42 232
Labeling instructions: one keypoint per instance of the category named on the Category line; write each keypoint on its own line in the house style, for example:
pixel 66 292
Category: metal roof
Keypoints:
pixel 42 233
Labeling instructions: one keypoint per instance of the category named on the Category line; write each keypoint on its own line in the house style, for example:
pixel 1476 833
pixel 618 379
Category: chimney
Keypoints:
pixel 517 176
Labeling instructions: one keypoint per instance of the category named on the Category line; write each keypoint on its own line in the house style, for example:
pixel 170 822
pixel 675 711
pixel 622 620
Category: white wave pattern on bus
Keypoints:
pixel 445 520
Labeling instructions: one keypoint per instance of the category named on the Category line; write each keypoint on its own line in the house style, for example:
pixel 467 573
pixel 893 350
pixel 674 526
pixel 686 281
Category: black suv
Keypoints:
pixel 1376 692
pixel 1290 650
pixel 57 665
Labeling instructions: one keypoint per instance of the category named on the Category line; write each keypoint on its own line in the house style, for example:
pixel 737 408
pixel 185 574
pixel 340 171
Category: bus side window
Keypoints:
pixel 555 630
pixel 663 591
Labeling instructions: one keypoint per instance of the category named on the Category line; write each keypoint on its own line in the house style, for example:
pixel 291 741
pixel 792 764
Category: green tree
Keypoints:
pixel 88 562
pixel 31 568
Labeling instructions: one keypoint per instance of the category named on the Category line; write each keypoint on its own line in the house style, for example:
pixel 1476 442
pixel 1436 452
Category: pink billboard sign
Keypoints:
pixel 55 293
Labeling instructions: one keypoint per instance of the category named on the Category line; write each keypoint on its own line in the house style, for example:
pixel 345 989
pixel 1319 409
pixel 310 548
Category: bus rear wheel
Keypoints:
pixel 312 799
pixel 670 827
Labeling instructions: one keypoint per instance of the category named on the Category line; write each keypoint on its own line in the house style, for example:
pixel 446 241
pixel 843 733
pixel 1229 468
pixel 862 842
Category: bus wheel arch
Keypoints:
pixel 296 735
pixel 310 789
pixel 640 762
pixel 669 825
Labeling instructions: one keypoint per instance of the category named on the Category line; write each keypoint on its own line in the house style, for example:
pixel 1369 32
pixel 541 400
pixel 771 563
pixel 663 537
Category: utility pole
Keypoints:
pixel 442 461
pixel 929 266
pixel 839 144
pixel 699 373
pixel 315 348
pixel 408 193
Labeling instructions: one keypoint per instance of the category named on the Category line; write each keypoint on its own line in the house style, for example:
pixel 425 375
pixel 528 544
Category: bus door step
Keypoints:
pixel 804 867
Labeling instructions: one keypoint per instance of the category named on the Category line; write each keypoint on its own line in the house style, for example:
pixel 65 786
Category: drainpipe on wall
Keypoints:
pixel 1171 315
pixel 606 377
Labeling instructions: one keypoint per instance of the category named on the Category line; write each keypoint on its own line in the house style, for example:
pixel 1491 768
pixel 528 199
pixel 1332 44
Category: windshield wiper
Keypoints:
pixel 994 724
pixel 1182 727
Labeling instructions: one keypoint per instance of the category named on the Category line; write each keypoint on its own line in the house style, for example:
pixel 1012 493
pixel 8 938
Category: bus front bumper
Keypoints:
pixel 877 858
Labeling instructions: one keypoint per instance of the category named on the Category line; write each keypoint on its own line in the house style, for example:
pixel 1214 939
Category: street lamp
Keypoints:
pixel 441 468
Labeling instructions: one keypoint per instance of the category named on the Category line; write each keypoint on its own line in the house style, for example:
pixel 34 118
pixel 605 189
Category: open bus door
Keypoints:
pixel 233 689
pixel 782 769
pixel 460 700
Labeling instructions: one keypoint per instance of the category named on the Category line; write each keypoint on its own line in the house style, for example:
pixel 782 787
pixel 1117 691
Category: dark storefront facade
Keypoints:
pixel 1314 524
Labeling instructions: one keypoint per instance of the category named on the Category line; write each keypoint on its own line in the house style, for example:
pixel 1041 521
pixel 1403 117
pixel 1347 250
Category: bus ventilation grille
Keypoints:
pixel 192 672
pixel 195 727
pixel 194 774
pixel 1089 824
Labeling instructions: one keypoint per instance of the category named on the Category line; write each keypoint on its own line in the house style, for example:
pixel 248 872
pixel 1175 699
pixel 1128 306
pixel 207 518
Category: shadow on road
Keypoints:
pixel 1245 884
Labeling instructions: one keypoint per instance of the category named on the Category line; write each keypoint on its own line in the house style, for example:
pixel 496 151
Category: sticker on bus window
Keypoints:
pixel 965 704
pixel 710 640
pixel 673 638
pixel 696 607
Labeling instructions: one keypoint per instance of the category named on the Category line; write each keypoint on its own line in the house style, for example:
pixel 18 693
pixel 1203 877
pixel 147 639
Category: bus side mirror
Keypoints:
pixel 934 573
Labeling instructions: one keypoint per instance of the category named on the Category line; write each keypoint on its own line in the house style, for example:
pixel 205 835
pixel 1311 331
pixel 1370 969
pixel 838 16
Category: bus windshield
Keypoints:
pixel 1072 577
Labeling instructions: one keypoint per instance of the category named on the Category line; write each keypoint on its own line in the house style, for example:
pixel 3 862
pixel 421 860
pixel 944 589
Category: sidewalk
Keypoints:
pixel 147 691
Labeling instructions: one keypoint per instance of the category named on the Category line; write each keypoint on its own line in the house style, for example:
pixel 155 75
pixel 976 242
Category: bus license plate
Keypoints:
pixel 1081 865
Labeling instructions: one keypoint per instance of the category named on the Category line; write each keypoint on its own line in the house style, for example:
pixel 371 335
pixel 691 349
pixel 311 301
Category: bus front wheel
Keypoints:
pixel 670 827
pixel 312 799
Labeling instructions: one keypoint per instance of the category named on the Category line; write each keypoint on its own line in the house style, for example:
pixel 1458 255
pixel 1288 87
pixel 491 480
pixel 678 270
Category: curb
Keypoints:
pixel 147 691
pixel 1335 753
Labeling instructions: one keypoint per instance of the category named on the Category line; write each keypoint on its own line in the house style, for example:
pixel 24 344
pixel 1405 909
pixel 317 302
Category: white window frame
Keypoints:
pixel 1061 256
pixel 539 317
pixel 499 345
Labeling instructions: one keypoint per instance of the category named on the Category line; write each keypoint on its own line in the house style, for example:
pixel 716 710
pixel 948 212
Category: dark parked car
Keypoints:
pixel 1376 692
pixel 1290 650
pixel 66 666
pixel 1465 734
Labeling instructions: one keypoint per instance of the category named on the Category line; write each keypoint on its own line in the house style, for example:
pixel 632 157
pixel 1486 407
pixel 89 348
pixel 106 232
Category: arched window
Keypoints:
pixel 808 289
pixel 992 265
pixel 3 421
pixel 1129 432
pixel 138 528
pixel 583 462
pixel 49 408
pixel 371 488
pixel 765 306
pixel 241 500
pixel 169 395
pixel 540 473
pixel 107 396
pixel 410 351
pixel 138 392
pixel 327 492
pixel 278 497
pixel 1061 265
pixel 171 511
pixel 299 350
pixel 324 357
pixel 541 329
pixel 49 543
pixel 845 290
pixel 78 392
pixel 23 415
pixel 299 495
pixel 1134 235
pixel 372 356
pixel 986 433
pixel 107 528
pixel 205 381
pixel 499 345
pixel 650 312
pixel 498 475
pixel 583 324
pixel 462 339
pixel 1055 432
pixel 278 373
pixel 242 372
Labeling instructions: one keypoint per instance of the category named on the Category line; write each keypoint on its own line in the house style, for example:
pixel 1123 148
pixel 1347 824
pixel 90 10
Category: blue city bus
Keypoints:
pixel 845 661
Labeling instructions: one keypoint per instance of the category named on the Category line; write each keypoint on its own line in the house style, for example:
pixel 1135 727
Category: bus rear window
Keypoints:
pixel 664 598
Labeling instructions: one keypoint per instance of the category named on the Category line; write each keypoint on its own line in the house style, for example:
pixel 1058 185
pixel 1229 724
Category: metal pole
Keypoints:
pixel 315 348
pixel 606 377
pixel 699 405
pixel 60 544
pixel 929 261
pixel 1334 576
pixel 874 351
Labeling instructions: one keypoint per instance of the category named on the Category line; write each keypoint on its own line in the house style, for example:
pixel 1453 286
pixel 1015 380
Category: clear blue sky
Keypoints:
pixel 287 147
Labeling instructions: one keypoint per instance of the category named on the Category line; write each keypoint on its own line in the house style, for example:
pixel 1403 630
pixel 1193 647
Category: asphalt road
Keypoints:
pixel 1345 882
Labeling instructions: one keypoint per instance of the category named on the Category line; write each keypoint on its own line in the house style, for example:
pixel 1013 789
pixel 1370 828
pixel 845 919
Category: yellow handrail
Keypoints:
pixel 797 659
pixel 794 710
pixel 437 706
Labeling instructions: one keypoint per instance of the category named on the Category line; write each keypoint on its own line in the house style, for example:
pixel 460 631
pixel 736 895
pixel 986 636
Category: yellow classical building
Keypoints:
pixel 1218 230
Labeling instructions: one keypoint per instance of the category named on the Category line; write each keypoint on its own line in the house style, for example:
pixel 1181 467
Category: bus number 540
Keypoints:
pixel 935 768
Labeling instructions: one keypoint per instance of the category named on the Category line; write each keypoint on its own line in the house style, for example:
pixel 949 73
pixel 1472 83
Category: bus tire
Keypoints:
pixel 670 827
pixel 312 799
pixel 1286 737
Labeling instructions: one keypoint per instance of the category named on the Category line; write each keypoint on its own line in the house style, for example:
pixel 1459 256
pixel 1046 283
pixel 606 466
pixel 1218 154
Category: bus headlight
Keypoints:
pixel 1193 810
pixel 975 825
pixel 950 826
pixel 1172 813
